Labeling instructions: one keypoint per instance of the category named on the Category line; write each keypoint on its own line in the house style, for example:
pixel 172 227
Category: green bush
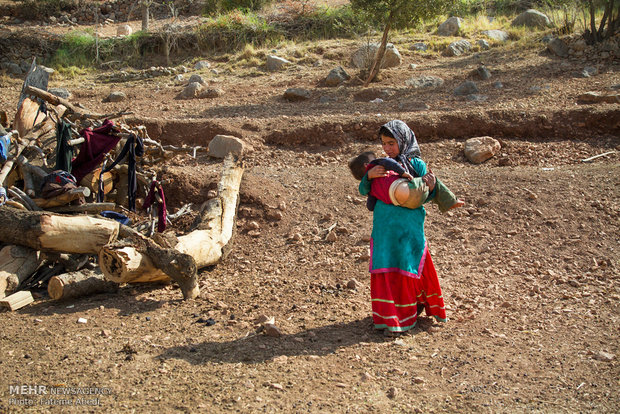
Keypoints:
pixel 326 23
pixel 234 31
pixel 215 7
pixel 34 9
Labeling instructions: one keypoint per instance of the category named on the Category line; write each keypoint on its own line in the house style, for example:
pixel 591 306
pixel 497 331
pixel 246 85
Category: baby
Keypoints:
pixel 399 187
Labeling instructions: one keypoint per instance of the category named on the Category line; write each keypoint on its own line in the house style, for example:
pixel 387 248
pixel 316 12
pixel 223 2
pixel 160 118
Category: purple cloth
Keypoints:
pixel 98 143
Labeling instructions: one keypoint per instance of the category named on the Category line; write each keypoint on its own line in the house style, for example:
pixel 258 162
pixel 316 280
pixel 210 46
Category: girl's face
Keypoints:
pixel 390 146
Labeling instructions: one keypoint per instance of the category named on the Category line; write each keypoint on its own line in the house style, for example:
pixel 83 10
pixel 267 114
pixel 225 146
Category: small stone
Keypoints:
pixel 252 225
pixel 418 380
pixel 82 320
pixel 106 333
pixel 331 236
pixel 263 319
pixel 604 356
pixel 277 386
pixel 282 206
pixel 272 330
pixel 366 377
pixel 353 284
pixel 392 392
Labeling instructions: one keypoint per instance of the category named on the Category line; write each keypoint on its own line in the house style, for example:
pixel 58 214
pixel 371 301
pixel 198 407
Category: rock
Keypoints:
pixel 422 47
pixel 13 69
pixel 466 88
pixel 331 237
pixel 277 386
pixel 364 57
pixel 418 380
pixel 272 330
pixel 597 97
pixel 82 320
pixel 222 145
pixel 275 63
pixel 178 78
pixel 558 47
pixel 483 44
pixel 353 284
pixel 336 76
pixel 282 206
pixel 196 78
pixel 124 30
pixel 203 64
pixel 604 356
pixel 210 93
pixel 589 71
pixel 531 18
pixel 483 73
pixel 450 27
pixel 274 215
pixel 252 225
pixel 457 48
pixel 479 149
pixel 115 97
pixel 60 92
pixel 424 82
pixel 264 319
pixel 296 94
pixel 190 91
pixel 392 392
pixel 366 377
pixel 498 35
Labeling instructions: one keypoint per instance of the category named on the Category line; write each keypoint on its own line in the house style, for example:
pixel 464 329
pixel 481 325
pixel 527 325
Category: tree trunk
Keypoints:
pixel 79 284
pixel 17 263
pixel 145 15
pixel 47 231
pixel 204 245
pixel 376 66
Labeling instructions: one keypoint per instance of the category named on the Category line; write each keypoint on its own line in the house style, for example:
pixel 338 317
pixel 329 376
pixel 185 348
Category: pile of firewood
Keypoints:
pixel 63 242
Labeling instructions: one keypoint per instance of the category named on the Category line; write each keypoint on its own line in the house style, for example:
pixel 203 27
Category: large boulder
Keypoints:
pixel 450 27
pixel 532 18
pixel 480 149
pixel 222 145
pixel 124 30
pixel 365 56
pixel 499 35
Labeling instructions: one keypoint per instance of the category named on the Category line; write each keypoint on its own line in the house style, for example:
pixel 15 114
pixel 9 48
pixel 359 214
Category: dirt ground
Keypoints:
pixel 528 268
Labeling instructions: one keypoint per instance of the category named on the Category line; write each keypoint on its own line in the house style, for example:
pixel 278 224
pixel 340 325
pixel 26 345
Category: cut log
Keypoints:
pixel 17 263
pixel 28 116
pixel 85 208
pixel 128 265
pixel 79 284
pixel 205 244
pixel 62 199
pixel 52 232
pixel 91 181
pixel 17 300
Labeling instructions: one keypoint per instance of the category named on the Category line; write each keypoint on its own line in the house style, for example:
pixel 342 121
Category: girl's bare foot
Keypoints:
pixel 459 203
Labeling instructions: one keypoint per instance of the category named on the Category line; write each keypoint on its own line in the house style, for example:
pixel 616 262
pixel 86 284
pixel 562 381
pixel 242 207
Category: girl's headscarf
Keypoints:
pixel 407 143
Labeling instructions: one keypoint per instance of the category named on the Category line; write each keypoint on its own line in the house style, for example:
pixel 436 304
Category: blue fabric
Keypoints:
pixel 398 243
pixel 121 218
pixel 5 146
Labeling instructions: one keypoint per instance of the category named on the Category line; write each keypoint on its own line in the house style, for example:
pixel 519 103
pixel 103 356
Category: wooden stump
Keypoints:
pixel 79 284
pixel 17 263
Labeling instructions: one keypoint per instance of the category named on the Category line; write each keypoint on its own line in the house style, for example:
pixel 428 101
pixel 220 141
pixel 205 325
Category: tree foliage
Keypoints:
pixel 402 13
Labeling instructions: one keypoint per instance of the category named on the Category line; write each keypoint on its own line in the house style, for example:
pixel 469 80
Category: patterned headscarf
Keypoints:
pixel 407 143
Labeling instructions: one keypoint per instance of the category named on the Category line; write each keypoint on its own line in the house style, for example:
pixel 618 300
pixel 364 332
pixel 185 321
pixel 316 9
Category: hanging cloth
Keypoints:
pixel 64 151
pixel 156 188
pixel 133 148
pixel 98 143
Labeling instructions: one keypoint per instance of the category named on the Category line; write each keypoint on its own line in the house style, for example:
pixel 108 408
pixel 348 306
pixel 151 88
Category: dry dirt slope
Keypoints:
pixel 529 270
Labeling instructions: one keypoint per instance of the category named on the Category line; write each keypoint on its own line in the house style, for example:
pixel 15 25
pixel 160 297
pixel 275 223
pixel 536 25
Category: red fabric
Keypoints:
pixel 150 199
pixel 395 298
pixel 98 143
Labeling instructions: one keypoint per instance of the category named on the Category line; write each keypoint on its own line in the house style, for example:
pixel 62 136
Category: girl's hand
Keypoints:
pixel 429 180
pixel 377 171
pixel 407 176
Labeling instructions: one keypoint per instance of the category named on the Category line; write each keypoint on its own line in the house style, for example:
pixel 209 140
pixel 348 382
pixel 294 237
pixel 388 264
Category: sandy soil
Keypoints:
pixel 529 267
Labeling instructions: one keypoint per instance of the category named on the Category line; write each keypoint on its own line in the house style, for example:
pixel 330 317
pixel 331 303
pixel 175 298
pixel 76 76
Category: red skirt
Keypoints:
pixel 395 298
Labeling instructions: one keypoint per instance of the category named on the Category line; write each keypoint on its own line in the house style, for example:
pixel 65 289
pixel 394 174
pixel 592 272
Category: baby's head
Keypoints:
pixel 358 164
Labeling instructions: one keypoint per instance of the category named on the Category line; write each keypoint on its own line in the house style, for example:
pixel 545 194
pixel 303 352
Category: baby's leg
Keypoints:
pixel 445 199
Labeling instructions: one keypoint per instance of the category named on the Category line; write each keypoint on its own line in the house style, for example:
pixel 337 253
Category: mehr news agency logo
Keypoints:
pixel 61 394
